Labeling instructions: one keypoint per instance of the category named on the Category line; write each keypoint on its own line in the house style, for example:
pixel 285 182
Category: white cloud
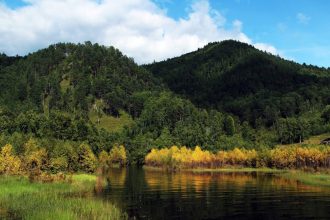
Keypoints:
pixel 266 47
pixel 139 28
pixel 302 18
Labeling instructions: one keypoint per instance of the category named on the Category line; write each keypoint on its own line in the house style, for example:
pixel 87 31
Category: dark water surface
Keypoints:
pixel 147 194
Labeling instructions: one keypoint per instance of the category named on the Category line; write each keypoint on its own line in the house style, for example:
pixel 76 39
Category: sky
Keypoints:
pixel 154 30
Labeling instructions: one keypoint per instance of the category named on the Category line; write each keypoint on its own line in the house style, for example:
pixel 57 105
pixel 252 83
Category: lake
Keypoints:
pixel 152 194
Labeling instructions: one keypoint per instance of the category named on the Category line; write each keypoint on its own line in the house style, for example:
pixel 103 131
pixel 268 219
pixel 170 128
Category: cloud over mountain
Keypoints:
pixel 139 28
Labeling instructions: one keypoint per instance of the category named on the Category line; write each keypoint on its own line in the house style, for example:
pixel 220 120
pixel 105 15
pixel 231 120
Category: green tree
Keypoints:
pixel 229 125
pixel 326 114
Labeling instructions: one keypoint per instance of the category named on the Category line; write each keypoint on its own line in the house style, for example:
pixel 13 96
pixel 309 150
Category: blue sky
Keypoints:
pixel 298 28
pixel 295 29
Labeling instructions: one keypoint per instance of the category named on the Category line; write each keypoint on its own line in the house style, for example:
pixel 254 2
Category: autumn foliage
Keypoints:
pixel 49 164
pixel 117 155
pixel 9 163
pixel 282 157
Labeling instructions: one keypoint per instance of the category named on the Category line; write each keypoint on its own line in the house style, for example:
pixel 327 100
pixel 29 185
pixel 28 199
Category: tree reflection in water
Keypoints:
pixel 150 194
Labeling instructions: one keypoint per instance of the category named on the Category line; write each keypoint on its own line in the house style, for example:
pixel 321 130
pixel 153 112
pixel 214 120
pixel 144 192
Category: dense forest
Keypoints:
pixel 69 98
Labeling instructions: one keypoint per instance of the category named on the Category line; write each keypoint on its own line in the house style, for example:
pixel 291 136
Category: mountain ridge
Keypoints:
pixel 219 73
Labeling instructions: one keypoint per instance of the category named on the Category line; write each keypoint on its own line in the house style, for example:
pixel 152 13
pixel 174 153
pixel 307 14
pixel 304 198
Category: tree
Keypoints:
pixel 118 155
pixel 35 157
pixel 229 125
pixel 292 130
pixel 86 158
pixel 165 139
pixel 326 114
pixel 58 164
pixel 9 163
pixel 103 158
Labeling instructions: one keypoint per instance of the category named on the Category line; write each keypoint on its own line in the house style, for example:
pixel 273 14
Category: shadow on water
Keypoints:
pixel 149 194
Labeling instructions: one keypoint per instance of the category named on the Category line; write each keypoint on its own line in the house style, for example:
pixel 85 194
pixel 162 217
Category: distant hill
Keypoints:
pixel 237 78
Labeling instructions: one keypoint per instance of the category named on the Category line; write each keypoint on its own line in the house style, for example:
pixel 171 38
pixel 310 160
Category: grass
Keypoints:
pixel 64 84
pixel 313 140
pixel 21 199
pixel 316 139
pixel 110 123
pixel 84 178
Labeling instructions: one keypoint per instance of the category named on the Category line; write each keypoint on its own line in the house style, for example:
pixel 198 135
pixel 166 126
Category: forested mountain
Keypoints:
pixel 69 77
pixel 223 96
pixel 51 94
pixel 237 78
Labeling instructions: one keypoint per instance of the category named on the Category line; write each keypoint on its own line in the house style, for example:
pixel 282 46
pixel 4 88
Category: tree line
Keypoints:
pixel 176 158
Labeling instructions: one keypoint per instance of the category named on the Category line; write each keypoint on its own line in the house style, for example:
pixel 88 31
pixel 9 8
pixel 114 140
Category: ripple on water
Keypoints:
pixel 159 195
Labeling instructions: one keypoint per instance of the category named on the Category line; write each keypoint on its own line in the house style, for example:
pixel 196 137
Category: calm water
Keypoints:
pixel 146 194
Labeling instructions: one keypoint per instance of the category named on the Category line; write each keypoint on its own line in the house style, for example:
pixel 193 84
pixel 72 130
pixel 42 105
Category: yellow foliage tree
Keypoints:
pixel 103 158
pixel 35 158
pixel 87 160
pixel 283 157
pixel 117 155
pixel 9 163
pixel 280 157
pixel 58 164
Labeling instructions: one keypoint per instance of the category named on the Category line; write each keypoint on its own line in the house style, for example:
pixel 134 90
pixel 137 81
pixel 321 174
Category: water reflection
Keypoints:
pixel 147 194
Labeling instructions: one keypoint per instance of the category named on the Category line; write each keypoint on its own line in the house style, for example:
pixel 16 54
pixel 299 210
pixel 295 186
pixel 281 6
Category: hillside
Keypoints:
pixel 90 93
pixel 241 80
pixel 223 96
pixel 69 77
pixel 71 92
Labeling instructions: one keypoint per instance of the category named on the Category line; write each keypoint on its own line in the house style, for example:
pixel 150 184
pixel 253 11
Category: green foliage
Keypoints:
pixel 223 96
pixel 326 114
pixel 291 130
pixel 229 125
pixel 111 123
pixel 248 83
